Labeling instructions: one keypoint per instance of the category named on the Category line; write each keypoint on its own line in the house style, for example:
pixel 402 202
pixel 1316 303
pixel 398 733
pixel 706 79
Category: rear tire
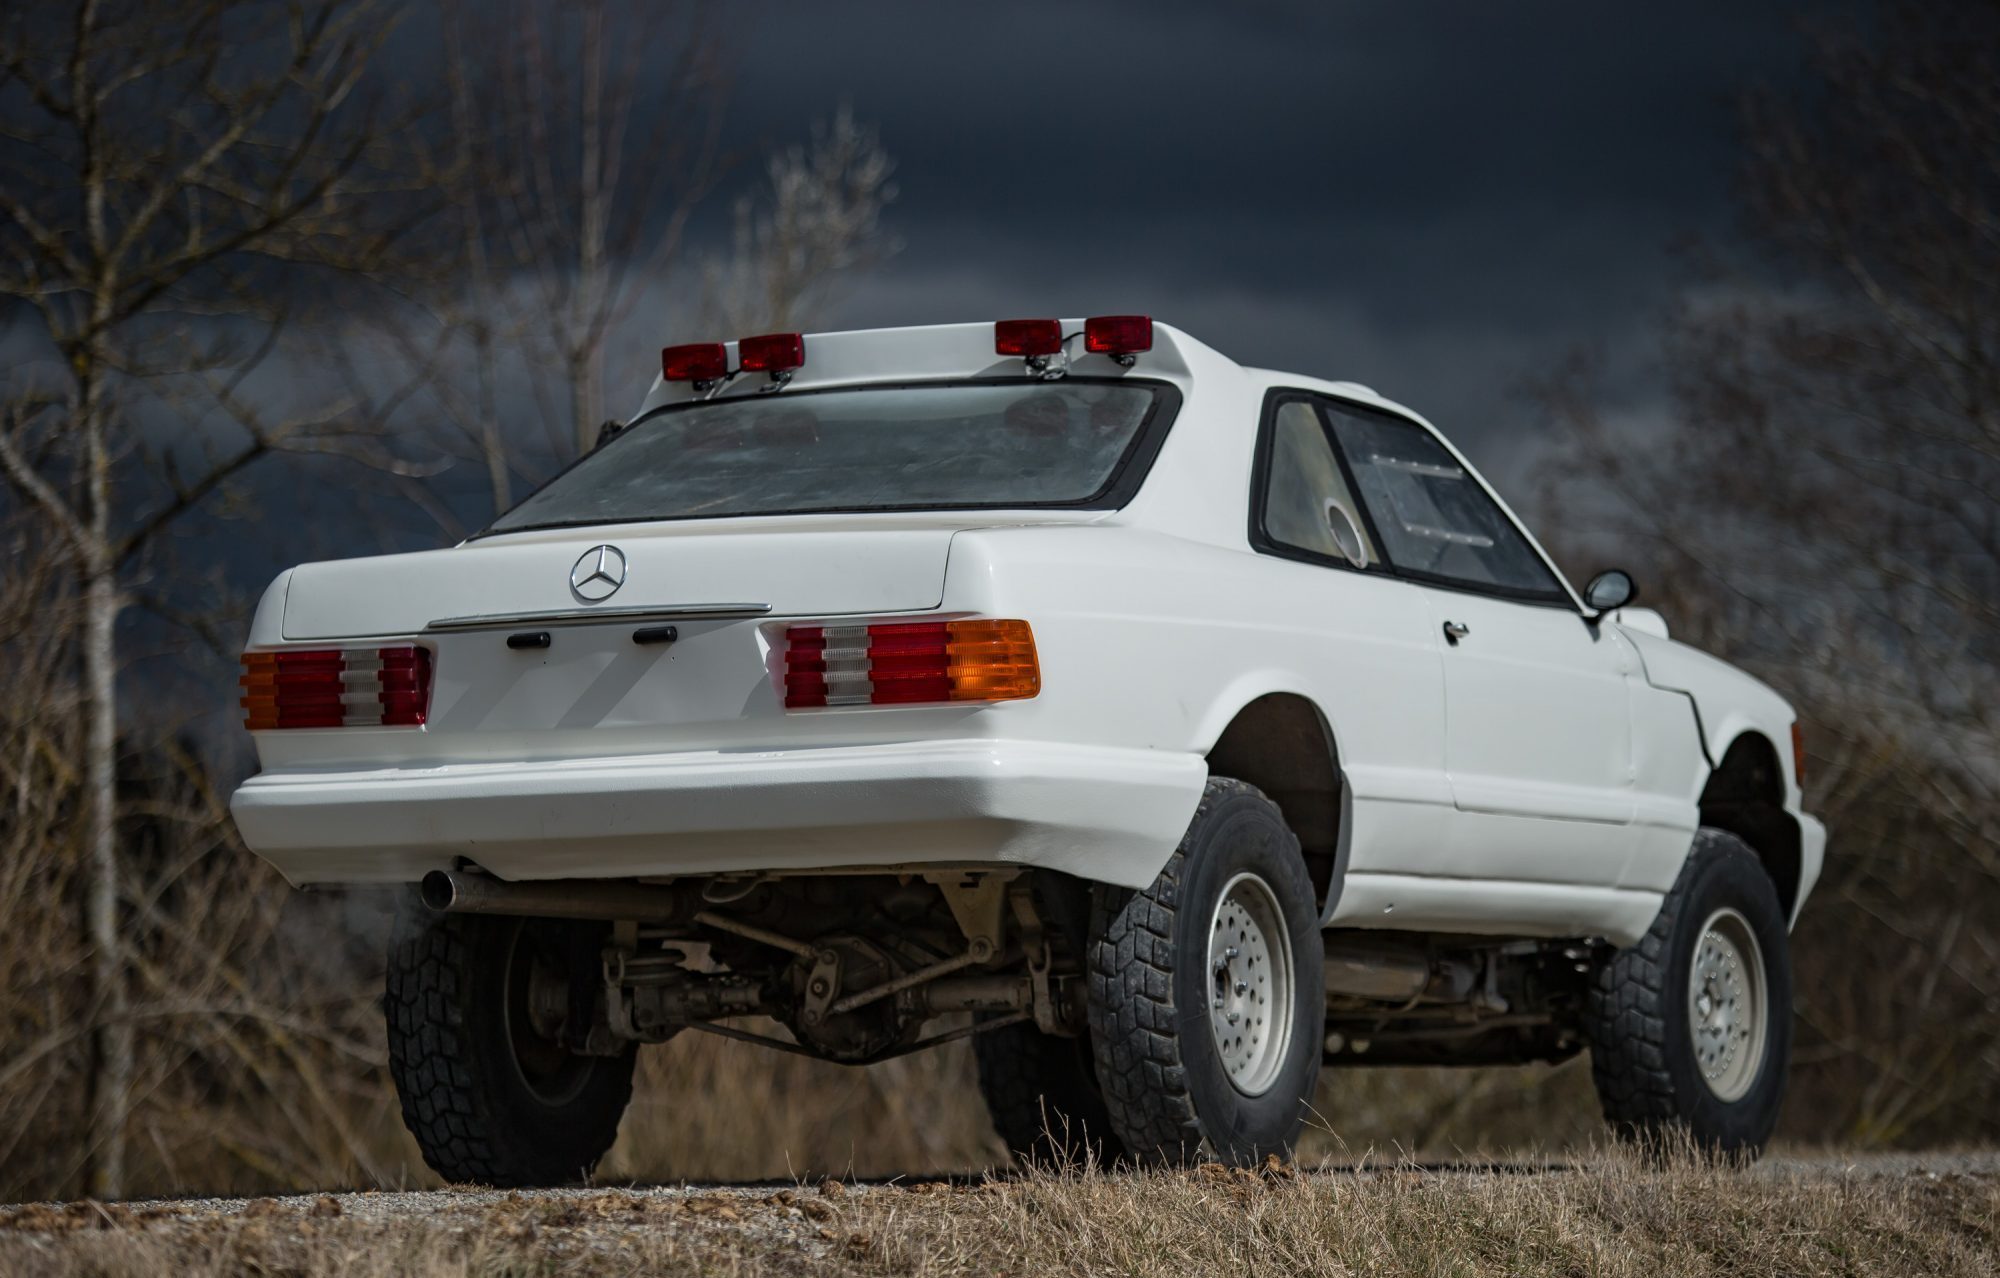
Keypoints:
pixel 1207 990
pixel 1042 1093
pixel 1690 1030
pixel 489 1098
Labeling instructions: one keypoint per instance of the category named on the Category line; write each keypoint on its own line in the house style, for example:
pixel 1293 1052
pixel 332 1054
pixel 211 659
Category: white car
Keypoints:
pixel 1171 726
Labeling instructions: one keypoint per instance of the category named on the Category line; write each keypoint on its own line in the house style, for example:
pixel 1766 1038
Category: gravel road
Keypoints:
pixel 782 1199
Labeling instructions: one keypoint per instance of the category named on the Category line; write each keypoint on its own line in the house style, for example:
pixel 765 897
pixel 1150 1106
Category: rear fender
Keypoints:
pixel 1326 866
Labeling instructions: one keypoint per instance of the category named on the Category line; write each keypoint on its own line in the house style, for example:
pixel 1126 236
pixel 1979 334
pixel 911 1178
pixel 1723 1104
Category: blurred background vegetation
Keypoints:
pixel 260 281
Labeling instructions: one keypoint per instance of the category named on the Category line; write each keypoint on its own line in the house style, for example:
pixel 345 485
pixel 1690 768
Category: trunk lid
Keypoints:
pixel 596 689
pixel 819 572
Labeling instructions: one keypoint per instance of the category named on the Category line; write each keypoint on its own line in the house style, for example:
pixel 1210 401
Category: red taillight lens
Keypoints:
pixel 1118 334
pixel 906 663
pixel 404 678
pixel 1798 756
pixel 772 353
pixel 699 362
pixel 336 688
pixel 1027 337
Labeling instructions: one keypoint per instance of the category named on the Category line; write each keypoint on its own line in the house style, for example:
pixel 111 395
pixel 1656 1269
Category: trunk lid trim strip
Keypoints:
pixel 586 616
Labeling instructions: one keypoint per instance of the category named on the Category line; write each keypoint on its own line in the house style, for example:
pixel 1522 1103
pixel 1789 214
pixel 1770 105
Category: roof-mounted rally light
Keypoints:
pixel 1028 338
pixel 775 353
pixel 702 363
pixel 706 364
pixel 1038 341
pixel 1122 337
pixel 1041 342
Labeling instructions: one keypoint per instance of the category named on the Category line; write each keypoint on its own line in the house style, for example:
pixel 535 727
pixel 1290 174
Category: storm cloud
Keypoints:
pixel 1439 200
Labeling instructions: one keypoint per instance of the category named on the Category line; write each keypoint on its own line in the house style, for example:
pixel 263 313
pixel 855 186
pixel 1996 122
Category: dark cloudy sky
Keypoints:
pixel 1438 199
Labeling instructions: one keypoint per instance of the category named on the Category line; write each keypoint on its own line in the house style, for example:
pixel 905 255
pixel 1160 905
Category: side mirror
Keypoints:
pixel 1610 589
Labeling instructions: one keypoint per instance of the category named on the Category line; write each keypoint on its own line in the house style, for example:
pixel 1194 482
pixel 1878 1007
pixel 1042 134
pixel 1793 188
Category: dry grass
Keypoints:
pixel 1606 1215
pixel 1612 1218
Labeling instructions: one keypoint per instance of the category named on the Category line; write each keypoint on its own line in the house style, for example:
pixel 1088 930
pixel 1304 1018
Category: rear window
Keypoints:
pixel 935 446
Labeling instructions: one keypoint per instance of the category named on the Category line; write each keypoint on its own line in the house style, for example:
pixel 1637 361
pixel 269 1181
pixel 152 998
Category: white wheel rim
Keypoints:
pixel 1251 984
pixel 1728 1005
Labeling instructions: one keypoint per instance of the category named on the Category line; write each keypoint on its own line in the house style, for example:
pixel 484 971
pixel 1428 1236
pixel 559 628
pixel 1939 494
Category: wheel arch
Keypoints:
pixel 1745 795
pixel 1282 742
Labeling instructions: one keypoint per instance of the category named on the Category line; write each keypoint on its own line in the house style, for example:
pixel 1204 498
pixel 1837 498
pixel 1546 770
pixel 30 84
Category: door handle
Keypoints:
pixel 1455 631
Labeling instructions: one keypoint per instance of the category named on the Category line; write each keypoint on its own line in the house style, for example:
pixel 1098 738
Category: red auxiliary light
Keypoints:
pixel 908 663
pixel 336 688
pixel 699 362
pixel 772 353
pixel 1028 337
pixel 1117 335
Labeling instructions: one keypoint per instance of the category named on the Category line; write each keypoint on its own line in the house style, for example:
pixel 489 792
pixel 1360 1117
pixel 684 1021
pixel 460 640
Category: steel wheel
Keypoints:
pixel 475 1007
pixel 1252 984
pixel 532 1010
pixel 1728 1004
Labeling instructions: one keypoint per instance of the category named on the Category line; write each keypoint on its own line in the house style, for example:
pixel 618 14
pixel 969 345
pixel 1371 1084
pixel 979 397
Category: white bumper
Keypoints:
pixel 1112 815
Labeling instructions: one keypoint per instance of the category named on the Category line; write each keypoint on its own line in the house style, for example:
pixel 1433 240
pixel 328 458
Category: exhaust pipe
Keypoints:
pixel 1398 973
pixel 1374 973
pixel 454 892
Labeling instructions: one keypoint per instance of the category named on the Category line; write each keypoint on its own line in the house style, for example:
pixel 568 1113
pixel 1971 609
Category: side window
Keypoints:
pixel 1306 502
pixel 1433 517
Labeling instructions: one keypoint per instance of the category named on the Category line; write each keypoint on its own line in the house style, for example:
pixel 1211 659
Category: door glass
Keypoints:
pixel 1307 504
pixel 1434 519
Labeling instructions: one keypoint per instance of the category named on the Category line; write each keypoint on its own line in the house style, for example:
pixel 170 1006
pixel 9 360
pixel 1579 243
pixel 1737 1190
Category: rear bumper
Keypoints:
pixel 1112 815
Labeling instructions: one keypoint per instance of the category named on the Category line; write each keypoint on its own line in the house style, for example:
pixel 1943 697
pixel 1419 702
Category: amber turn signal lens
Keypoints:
pixel 993 661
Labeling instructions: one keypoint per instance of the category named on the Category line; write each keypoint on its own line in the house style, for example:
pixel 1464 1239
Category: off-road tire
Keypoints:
pixel 1165 1086
pixel 465 1096
pixel 1640 1030
pixel 1041 1091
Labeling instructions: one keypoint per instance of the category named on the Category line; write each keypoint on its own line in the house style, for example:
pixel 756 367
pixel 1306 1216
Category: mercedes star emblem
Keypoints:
pixel 598 573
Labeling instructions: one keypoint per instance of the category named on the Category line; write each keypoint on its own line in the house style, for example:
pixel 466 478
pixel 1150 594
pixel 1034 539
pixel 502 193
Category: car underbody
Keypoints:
pixel 862 967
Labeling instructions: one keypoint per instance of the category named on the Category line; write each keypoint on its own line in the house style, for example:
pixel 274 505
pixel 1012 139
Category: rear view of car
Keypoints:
pixel 1060 684
pixel 685 596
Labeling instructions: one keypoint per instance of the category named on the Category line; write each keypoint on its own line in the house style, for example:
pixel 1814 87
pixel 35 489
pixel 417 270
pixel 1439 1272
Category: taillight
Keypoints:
pixel 1798 756
pixel 336 688
pixel 1119 336
pixel 906 663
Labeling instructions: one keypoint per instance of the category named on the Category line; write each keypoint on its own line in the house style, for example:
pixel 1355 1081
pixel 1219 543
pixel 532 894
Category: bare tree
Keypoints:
pixel 600 133
pixel 162 158
pixel 578 167
pixel 814 224
pixel 191 184
pixel 1823 500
